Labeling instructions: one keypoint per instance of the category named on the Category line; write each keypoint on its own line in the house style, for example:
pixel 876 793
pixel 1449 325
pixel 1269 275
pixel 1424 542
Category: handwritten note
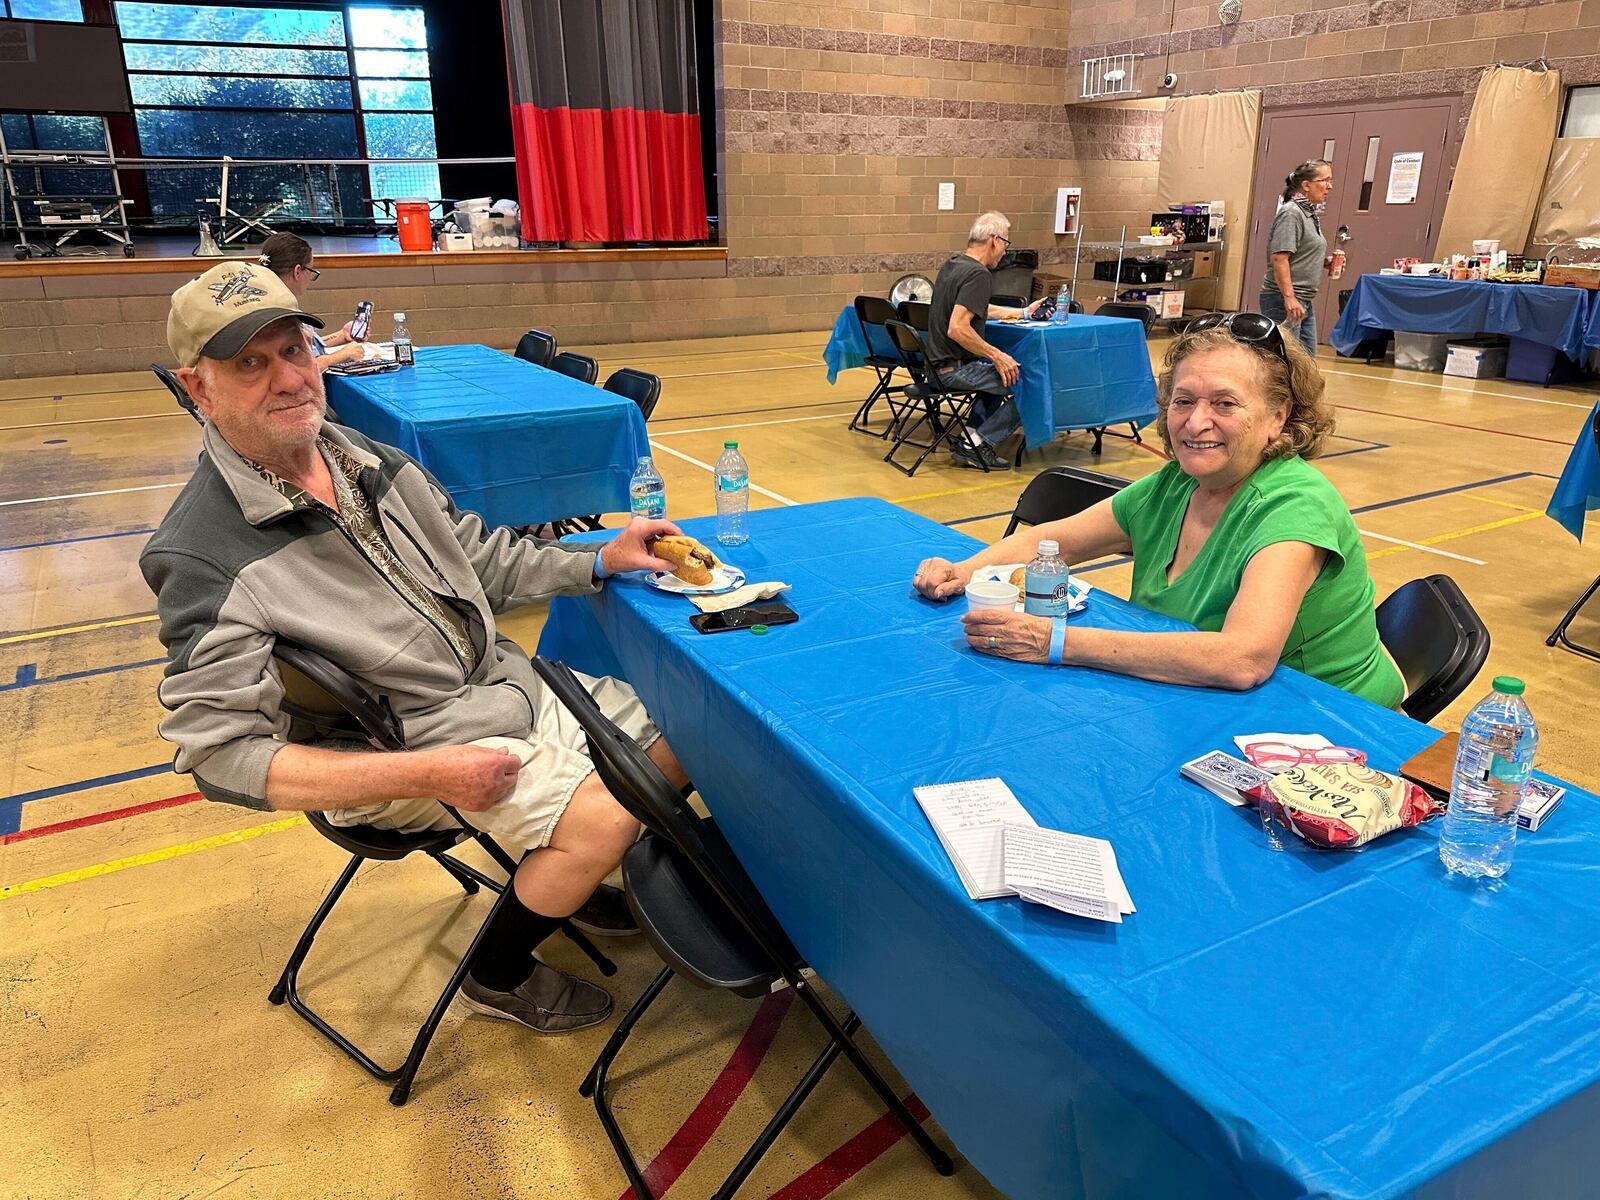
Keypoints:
pixel 969 819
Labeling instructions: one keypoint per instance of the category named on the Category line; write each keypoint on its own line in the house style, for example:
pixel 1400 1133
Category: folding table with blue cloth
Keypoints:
pixel 1265 1025
pixel 516 443
pixel 1090 373
pixel 1557 317
pixel 1577 492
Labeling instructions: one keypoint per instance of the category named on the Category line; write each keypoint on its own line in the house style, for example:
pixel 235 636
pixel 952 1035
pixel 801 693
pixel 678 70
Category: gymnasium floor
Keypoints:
pixel 140 930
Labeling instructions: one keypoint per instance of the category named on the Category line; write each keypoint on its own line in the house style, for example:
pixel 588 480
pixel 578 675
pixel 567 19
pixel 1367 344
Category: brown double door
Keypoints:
pixel 1362 142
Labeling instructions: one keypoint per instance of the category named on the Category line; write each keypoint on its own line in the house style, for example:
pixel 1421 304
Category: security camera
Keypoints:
pixel 1169 80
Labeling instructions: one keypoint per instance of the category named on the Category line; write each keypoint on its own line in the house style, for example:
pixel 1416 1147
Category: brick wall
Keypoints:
pixel 1301 52
pixel 839 121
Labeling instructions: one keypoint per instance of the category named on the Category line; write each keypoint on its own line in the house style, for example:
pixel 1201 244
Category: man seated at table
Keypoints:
pixel 298 529
pixel 957 351
pixel 1238 535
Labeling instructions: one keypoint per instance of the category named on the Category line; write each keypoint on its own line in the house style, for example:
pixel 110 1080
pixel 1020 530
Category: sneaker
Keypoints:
pixel 549 1001
pixel 978 458
pixel 606 914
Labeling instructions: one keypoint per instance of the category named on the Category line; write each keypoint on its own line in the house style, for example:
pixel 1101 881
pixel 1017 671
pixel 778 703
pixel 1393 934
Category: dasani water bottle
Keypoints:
pixel 1063 306
pixel 647 492
pixel 733 496
pixel 1493 764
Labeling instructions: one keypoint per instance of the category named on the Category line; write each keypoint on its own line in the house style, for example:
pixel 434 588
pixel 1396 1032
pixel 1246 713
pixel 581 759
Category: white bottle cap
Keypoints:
pixel 399 316
pixel 1049 549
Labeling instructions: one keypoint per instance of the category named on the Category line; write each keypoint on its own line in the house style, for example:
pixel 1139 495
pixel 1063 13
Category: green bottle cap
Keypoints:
pixel 1509 685
pixel 758 630
pixel 730 445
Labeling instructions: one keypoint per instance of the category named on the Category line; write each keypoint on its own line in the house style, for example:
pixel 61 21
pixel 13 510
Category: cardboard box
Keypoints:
pixel 1477 358
pixel 1168 305
pixel 1205 264
pixel 1583 275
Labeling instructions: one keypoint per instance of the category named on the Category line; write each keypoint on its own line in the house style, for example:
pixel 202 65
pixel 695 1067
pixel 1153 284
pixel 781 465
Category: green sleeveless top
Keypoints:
pixel 1335 634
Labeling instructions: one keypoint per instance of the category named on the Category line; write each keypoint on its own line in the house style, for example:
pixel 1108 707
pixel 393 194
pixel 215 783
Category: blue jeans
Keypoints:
pixel 995 411
pixel 1272 305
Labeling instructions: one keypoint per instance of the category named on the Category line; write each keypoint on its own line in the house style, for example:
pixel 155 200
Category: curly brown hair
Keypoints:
pixel 1310 420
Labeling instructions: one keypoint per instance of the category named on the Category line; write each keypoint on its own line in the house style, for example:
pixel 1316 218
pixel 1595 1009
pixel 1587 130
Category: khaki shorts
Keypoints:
pixel 555 760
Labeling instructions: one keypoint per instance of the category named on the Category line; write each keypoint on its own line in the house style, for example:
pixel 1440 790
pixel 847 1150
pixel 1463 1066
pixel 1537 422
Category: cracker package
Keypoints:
pixel 1342 806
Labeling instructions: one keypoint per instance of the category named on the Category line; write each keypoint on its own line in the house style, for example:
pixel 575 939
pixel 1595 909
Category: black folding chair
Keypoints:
pixel 1060 492
pixel 538 347
pixel 323 701
pixel 915 314
pixel 577 366
pixel 179 392
pixel 1436 639
pixel 1008 301
pixel 709 924
pixel 643 388
pixel 945 410
pixel 1560 632
pixel 871 314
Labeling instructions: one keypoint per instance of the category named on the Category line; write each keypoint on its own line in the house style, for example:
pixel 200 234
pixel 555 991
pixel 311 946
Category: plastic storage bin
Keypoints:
pixel 1477 358
pixel 1421 351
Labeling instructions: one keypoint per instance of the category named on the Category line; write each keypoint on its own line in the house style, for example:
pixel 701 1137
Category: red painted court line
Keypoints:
pixel 851 1158
pixel 116 814
pixel 719 1099
pixel 1527 437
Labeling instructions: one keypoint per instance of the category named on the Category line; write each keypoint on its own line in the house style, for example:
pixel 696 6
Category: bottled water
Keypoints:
pixel 1063 305
pixel 647 493
pixel 733 496
pixel 1493 763
pixel 402 341
pixel 1045 583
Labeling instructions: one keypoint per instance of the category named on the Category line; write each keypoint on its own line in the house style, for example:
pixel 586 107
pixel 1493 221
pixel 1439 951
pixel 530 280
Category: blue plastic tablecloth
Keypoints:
pixel 1381 304
pixel 1266 1025
pixel 513 442
pixel 1578 489
pixel 1090 372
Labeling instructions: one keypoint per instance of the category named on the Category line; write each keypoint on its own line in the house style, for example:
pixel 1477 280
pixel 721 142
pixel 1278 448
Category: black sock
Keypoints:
pixel 505 956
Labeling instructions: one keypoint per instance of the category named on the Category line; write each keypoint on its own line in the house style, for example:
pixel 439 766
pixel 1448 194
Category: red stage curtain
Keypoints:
pixel 605 120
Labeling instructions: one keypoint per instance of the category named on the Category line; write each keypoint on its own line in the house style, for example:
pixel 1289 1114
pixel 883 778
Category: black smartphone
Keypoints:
pixel 363 321
pixel 1046 310
pixel 767 613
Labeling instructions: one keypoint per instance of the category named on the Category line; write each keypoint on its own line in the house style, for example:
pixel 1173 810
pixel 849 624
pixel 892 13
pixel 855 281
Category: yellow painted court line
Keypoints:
pixel 45 882
pixel 1528 508
pixel 1461 533
pixel 1015 482
pixel 14 638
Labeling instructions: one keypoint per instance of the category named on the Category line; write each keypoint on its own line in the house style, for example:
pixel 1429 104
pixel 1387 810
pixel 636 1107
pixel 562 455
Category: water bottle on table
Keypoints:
pixel 1493 764
pixel 647 493
pixel 1063 306
pixel 733 496
pixel 401 341
pixel 1045 580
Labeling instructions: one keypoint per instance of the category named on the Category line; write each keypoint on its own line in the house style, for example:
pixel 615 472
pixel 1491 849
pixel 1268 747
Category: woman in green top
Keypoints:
pixel 1237 535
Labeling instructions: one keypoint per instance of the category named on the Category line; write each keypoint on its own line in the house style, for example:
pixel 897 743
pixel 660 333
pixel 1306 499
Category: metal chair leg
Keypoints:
pixel 595 1084
pixel 453 869
pixel 940 1160
pixel 1560 632
pixel 592 952
pixel 285 987
pixel 785 1113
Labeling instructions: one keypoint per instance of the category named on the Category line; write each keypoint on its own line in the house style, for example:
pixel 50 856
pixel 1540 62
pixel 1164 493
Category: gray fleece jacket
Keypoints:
pixel 235 566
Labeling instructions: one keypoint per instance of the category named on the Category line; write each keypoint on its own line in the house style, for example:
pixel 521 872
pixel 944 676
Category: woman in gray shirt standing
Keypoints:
pixel 1298 253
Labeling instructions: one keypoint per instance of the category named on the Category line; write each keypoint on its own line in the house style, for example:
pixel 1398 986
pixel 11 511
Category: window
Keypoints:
pixel 1369 175
pixel 1582 118
pixel 43 10
pixel 281 82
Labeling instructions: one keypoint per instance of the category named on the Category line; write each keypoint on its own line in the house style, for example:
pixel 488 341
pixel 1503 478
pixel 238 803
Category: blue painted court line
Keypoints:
pixel 94 537
pixel 1460 487
pixel 11 806
pixel 28 674
pixel 1365 447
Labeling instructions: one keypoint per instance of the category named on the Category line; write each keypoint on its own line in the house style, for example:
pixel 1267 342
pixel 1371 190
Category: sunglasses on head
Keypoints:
pixel 1252 329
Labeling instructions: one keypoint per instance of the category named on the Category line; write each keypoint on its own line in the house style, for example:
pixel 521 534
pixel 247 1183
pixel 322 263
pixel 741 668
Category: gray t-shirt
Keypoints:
pixel 1294 230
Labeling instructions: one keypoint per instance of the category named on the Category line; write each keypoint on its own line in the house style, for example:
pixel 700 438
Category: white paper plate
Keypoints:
pixel 723 579
pixel 1001 573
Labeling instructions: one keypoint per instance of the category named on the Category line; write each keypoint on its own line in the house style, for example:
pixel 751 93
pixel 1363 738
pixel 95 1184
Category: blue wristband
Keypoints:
pixel 600 571
pixel 1058 640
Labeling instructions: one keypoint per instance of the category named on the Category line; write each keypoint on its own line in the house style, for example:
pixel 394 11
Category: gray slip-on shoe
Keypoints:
pixel 549 1001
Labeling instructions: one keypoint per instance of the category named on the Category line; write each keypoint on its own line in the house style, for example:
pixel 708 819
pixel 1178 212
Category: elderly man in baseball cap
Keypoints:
pixel 294 528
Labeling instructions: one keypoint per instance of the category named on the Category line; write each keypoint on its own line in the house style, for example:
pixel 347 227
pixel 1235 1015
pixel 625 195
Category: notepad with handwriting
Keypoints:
pixel 970 819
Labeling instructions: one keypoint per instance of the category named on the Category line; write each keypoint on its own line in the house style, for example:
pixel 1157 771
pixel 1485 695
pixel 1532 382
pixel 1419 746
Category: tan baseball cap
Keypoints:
pixel 216 315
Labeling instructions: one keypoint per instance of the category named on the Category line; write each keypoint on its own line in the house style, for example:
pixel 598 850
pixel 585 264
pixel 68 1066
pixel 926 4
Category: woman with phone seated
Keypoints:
pixel 289 257
pixel 1238 535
